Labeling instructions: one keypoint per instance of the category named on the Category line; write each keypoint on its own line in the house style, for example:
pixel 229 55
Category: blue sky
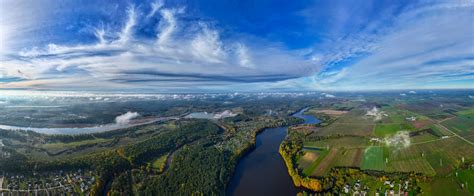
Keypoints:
pixel 236 45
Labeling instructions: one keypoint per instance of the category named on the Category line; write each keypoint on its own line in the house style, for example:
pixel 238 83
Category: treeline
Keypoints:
pixel 199 169
pixel 113 163
pixel 20 135
pixel 187 132
pixel 288 150
pixel 90 136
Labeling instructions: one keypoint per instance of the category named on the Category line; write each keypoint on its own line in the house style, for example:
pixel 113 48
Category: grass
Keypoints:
pixel 347 142
pixel 383 130
pixel 309 170
pixel 59 145
pixel 374 158
pixel 466 112
pixel 418 165
pixel 159 163
pixel 325 165
pixel 445 186
pixel 467 176
pixel 463 124
pixel 423 138
pixel 440 132
pixel 308 158
pixel 450 151
pixel 349 157
pixel 360 129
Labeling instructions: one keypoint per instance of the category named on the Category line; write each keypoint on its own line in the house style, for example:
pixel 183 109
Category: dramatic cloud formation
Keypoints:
pixel 169 46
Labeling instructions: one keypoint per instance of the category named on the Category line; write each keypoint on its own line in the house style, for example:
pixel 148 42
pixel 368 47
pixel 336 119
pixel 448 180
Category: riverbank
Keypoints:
pixel 261 169
pixel 84 130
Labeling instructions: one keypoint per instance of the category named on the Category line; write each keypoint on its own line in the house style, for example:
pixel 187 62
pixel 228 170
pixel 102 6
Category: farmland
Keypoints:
pixel 373 143
pixel 404 136
pixel 374 158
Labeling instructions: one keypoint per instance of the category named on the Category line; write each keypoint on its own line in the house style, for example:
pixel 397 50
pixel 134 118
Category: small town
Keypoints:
pixel 47 183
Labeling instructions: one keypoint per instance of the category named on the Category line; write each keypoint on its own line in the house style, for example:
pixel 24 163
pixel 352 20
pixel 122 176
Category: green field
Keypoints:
pixel 426 137
pixel 351 157
pixel 467 176
pixel 374 158
pixel 444 186
pixel 59 145
pixel 462 124
pixel 383 130
pixel 347 142
pixel 359 129
pixel 466 112
pixel 310 169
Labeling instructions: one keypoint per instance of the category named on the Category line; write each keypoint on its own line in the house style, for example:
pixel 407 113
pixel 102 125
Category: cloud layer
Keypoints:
pixel 167 46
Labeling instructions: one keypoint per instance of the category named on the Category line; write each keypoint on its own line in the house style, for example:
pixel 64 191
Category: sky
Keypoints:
pixel 236 45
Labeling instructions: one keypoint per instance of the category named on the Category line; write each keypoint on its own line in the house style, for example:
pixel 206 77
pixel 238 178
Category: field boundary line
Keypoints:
pixel 455 134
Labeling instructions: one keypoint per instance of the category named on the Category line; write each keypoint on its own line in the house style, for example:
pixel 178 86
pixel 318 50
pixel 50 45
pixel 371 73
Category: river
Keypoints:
pixel 83 130
pixel 262 171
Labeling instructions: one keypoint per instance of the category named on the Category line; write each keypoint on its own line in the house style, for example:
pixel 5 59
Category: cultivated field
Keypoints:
pixel 337 128
pixel 374 158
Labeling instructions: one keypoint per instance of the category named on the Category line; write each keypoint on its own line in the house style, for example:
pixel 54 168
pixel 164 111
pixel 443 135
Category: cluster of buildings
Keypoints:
pixel 60 182
pixel 388 188
pixel 356 189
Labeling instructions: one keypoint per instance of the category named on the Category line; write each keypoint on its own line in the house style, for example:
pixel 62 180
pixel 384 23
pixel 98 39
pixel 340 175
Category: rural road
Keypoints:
pixel 440 125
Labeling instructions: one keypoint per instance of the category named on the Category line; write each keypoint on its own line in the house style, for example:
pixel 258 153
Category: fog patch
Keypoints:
pixel 224 114
pixel 400 140
pixel 376 113
pixel 412 92
pixel 327 95
pixel 124 119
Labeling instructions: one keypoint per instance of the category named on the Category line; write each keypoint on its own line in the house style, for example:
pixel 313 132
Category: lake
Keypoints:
pixel 262 171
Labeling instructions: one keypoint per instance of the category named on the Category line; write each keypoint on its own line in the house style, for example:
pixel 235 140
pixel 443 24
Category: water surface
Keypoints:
pixel 80 130
pixel 262 171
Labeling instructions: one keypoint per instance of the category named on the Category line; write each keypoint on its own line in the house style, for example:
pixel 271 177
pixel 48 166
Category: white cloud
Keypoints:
pixel 207 46
pixel 244 57
pixel 425 46
pixel 327 95
pixel 167 25
pixel 182 55
pixel 376 113
pixel 400 140
pixel 124 119
pixel 155 6
pixel 127 32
